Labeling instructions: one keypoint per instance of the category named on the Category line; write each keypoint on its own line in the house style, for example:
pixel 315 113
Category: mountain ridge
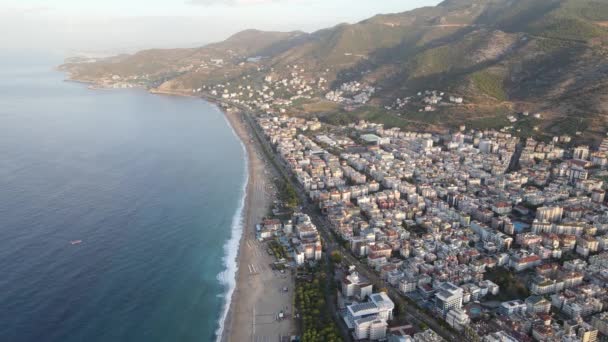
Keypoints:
pixel 523 55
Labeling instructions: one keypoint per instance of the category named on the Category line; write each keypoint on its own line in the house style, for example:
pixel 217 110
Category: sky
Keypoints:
pixel 111 26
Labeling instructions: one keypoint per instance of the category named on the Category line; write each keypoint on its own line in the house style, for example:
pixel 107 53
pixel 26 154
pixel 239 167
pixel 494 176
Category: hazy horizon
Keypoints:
pixel 113 26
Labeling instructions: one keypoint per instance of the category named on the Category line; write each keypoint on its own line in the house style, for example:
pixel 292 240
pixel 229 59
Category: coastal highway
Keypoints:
pixel 412 312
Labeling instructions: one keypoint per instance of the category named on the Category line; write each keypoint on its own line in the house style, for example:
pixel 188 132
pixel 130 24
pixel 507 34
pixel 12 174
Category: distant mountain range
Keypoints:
pixel 502 56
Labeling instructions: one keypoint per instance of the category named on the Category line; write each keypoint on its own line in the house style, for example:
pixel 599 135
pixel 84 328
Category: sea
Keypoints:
pixel 120 211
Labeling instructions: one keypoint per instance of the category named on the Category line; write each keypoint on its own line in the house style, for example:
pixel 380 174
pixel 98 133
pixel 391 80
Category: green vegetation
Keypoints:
pixel 317 324
pixel 525 127
pixel 321 106
pixel 566 19
pixel 336 257
pixel 288 195
pixel 526 41
pixel 517 15
pixel 433 61
pixel 589 10
pixel 510 286
pixel 470 334
pixel 569 29
pixel 551 45
pixel 573 20
pixel 388 118
pixel 488 122
pixel 400 309
pixel 489 84
pixel 277 250
pixel 569 125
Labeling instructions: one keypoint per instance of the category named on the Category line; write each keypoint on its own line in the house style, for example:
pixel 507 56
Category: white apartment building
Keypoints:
pixel 512 307
pixel 369 320
pixel 499 336
pixel 457 319
pixel 353 285
pixel 370 328
pixel 448 297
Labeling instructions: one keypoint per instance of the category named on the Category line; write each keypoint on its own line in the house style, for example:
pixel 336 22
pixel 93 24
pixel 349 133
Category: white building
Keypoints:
pixel 457 319
pixel 407 285
pixel 512 307
pixel 385 305
pixel 369 319
pixel 353 285
pixel 298 255
pixel 427 336
pixel 372 328
pixel 448 296
pixel 499 336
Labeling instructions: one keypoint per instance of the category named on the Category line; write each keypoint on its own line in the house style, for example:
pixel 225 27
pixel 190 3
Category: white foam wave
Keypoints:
pixel 231 247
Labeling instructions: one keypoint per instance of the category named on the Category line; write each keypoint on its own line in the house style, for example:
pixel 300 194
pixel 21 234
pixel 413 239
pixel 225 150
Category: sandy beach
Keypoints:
pixel 259 294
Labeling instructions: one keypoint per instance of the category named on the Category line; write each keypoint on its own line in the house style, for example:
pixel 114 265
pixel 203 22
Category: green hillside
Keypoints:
pixel 541 55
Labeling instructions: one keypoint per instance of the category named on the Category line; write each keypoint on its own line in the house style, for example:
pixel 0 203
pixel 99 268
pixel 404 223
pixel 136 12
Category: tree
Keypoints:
pixel 401 307
pixel 336 257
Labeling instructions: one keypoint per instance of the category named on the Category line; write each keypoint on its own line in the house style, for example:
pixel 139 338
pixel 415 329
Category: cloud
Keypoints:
pixel 27 10
pixel 38 9
pixel 231 2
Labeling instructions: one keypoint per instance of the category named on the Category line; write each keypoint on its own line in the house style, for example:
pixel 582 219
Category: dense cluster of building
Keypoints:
pixel 351 93
pixel 276 93
pixel 433 214
pixel 303 239
pixel 426 101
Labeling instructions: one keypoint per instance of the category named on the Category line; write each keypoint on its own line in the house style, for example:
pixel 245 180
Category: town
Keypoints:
pixel 498 238
pixel 491 234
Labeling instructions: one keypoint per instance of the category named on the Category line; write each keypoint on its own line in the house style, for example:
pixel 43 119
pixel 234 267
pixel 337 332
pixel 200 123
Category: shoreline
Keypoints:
pixel 259 293
pixel 247 291
pixel 233 245
pixel 249 218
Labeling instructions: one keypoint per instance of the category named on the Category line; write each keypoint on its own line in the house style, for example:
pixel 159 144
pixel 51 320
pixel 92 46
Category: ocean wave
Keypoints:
pixel 231 248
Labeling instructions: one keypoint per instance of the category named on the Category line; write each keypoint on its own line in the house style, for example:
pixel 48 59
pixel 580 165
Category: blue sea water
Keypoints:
pixel 150 184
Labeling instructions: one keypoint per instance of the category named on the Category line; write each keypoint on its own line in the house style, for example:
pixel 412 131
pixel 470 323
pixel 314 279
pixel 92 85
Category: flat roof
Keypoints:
pixel 370 137
pixel 355 308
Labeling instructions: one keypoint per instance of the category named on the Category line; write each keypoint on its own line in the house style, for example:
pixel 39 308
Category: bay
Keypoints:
pixel 150 185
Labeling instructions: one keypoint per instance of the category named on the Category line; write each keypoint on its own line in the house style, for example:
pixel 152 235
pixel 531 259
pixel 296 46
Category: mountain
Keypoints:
pixel 502 56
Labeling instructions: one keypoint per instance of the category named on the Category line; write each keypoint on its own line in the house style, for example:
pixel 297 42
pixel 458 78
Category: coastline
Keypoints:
pixel 249 216
pixel 259 293
pixel 228 277
pixel 252 286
